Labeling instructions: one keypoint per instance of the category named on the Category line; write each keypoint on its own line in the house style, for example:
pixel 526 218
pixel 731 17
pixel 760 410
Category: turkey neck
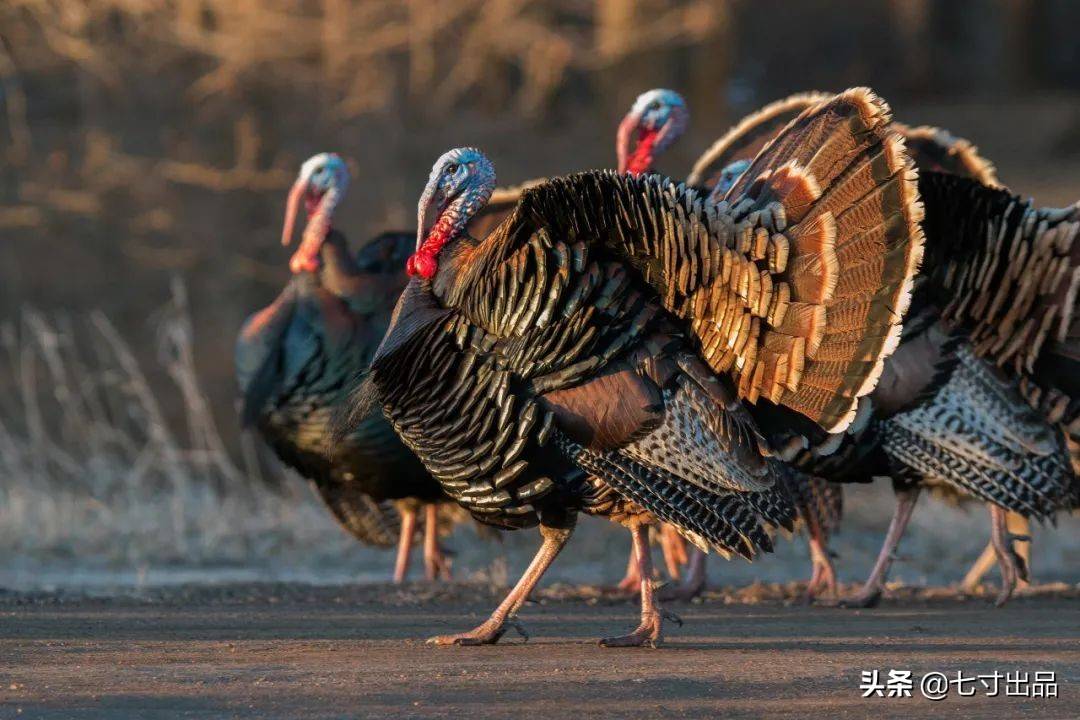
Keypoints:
pixel 339 272
pixel 453 261
pixel 365 292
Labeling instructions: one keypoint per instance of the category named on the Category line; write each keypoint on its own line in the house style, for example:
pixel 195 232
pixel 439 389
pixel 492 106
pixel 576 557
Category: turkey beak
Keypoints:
pixel 292 207
pixel 429 208
pixel 624 137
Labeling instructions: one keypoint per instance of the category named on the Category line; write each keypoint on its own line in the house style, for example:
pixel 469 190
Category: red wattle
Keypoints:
pixel 423 262
pixel 641 160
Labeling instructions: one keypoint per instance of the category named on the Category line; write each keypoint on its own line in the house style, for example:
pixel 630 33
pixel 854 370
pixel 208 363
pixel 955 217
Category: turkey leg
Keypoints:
pixel 870 595
pixel 1012 566
pixel 436 563
pixel 649 632
pixel 823 574
pixel 674 548
pixel 631 580
pixel 1020 527
pixel 489 631
pixel 405 541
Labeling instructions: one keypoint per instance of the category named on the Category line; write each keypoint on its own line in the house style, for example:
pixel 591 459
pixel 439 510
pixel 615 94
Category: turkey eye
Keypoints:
pixel 452 168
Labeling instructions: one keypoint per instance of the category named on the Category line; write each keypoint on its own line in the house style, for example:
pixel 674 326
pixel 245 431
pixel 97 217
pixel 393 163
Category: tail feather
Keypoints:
pixel 728 522
pixel 847 192
pixel 819 503
pixel 1009 271
pixel 746 139
pixel 934 149
pixel 979 434
pixel 373 523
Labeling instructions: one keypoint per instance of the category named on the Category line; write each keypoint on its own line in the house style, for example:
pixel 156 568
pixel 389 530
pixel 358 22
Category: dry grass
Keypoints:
pixel 94 470
pixel 357 49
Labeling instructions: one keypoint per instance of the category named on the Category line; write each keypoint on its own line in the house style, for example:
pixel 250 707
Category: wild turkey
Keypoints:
pixel 655 121
pixel 297 358
pixel 936 419
pixel 1003 276
pixel 932 149
pixel 594 352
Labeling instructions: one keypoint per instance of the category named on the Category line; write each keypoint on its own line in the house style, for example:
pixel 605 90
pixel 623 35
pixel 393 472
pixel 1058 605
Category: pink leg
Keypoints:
pixel 404 548
pixel 975 573
pixel 650 631
pixel 489 631
pixel 632 579
pixel 823 575
pixel 871 591
pixel 436 563
pixel 1020 528
pixel 674 548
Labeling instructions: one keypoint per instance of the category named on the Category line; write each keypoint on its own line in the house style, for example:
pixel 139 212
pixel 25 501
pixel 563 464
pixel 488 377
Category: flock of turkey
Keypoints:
pixel 830 297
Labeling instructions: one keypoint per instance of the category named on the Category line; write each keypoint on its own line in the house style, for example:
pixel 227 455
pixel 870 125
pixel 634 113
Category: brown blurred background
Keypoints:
pixel 146 145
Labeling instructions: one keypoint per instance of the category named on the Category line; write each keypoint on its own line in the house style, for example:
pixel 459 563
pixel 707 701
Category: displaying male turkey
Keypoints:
pixel 909 384
pixel 594 352
pixel 297 358
pixel 655 121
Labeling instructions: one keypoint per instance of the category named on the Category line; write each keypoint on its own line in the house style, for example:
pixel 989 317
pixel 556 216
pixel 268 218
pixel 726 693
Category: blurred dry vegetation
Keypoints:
pixel 143 141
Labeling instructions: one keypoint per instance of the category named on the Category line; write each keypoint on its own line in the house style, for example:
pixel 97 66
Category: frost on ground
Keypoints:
pixel 99 487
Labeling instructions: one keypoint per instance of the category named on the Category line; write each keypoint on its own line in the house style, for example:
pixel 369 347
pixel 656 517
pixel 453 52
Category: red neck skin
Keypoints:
pixel 306 257
pixel 423 263
pixel 641 160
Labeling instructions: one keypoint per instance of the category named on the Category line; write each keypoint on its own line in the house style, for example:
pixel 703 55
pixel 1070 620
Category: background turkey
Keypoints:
pixel 297 358
pixel 592 354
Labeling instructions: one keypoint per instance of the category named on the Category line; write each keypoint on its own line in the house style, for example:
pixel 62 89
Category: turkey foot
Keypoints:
pixel 650 631
pixel 436 561
pixel 870 594
pixel 488 632
pixel 492 629
pixel 648 634
pixel 1020 526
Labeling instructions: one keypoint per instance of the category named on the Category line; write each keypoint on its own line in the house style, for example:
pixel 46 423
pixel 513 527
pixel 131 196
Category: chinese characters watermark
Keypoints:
pixel 936 685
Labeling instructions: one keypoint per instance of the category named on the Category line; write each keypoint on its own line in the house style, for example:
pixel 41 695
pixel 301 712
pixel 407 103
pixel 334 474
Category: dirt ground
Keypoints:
pixel 285 651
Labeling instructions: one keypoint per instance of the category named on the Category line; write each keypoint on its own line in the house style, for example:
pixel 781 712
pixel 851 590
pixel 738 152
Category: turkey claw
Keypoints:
pixel 487 633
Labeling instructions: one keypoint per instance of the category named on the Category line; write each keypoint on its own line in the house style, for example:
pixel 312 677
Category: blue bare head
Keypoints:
pixel 460 184
pixel 321 184
pixel 657 119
